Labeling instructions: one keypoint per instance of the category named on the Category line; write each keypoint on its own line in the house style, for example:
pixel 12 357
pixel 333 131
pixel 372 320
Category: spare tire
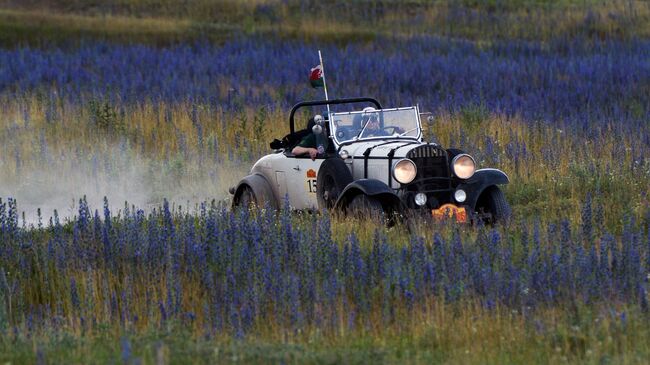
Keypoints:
pixel 333 176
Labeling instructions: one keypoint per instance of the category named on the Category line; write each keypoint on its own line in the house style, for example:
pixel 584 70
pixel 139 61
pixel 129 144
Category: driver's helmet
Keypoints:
pixel 369 113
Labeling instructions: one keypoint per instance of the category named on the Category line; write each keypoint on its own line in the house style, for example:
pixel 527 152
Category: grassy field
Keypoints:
pixel 190 163
pixel 471 336
pixel 161 107
pixel 177 286
pixel 165 22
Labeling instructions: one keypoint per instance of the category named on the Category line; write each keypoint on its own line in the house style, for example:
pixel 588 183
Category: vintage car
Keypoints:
pixel 391 170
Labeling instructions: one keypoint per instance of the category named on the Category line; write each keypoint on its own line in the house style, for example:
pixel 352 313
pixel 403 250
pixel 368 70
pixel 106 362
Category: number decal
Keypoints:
pixel 311 181
pixel 311 186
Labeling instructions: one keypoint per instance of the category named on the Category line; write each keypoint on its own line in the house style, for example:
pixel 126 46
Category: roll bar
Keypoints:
pixel 330 102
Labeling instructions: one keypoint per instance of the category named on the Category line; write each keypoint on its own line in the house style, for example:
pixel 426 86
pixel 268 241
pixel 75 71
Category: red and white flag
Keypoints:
pixel 316 76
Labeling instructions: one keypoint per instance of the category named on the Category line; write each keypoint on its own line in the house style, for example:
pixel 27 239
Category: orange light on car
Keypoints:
pixel 450 211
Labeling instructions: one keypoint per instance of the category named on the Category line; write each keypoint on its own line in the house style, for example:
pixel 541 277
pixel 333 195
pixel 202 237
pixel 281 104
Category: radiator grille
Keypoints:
pixel 433 168
pixel 426 151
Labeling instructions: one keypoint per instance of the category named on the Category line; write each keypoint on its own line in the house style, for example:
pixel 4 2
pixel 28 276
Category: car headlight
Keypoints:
pixel 404 171
pixel 463 166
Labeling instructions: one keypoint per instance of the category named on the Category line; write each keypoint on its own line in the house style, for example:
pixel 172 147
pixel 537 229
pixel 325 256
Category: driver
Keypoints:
pixel 370 120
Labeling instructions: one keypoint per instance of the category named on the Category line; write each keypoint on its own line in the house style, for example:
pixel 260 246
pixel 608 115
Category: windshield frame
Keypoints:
pixel 414 108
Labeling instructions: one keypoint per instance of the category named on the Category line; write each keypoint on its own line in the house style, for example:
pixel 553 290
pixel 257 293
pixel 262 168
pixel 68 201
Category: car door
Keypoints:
pixel 300 181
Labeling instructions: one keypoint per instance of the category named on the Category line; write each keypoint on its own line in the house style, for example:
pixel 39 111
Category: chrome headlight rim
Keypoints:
pixel 458 157
pixel 415 171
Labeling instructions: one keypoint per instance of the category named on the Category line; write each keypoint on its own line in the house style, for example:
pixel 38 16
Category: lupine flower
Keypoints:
pixel 234 267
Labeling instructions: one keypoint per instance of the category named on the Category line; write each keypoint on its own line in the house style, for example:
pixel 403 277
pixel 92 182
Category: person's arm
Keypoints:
pixel 298 150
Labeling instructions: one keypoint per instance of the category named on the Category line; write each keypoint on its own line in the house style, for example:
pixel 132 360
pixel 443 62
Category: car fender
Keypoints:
pixel 370 187
pixel 481 180
pixel 261 188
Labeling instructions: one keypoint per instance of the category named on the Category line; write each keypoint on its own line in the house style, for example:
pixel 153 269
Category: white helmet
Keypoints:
pixel 369 112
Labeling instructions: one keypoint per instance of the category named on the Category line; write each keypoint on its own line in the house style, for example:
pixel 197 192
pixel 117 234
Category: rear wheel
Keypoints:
pixel 363 206
pixel 492 206
pixel 333 177
pixel 246 198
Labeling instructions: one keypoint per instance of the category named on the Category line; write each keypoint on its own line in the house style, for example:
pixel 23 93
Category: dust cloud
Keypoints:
pixel 121 177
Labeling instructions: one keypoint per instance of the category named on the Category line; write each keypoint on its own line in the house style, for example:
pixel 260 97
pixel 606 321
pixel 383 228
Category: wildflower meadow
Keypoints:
pixel 122 126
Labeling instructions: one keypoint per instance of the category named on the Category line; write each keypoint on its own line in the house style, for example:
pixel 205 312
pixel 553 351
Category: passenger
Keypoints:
pixel 312 143
pixel 307 145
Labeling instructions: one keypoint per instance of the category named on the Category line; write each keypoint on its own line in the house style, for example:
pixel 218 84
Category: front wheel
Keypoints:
pixel 492 206
pixel 333 177
pixel 363 206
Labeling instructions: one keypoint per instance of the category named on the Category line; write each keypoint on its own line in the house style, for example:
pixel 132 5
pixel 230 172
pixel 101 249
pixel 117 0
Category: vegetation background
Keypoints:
pixel 143 101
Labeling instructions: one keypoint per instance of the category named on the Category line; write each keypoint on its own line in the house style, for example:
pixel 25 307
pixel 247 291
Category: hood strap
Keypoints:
pixel 366 154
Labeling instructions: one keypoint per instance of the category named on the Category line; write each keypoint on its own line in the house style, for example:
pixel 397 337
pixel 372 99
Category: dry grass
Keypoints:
pixel 549 181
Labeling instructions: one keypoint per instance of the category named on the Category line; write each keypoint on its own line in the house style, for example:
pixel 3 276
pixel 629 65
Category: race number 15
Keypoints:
pixel 311 185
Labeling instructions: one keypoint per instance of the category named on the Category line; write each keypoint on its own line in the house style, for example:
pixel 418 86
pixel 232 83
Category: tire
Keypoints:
pixel 254 190
pixel 246 198
pixel 492 206
pixel 333 176
pixel 363 206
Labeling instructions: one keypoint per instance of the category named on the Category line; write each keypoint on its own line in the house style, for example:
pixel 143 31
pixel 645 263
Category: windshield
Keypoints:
pixel 398 123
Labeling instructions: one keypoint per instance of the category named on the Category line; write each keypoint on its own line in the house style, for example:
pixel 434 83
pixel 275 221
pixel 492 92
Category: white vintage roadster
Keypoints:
pixel 387 169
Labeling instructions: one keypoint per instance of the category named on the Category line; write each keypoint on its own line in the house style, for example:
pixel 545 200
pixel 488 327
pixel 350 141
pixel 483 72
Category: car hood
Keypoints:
pixel 382 148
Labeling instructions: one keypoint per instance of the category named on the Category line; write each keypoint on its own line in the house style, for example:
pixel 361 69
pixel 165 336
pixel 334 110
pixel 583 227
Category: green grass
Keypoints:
pixel 164 22
pixel 42 29
pixel 457 334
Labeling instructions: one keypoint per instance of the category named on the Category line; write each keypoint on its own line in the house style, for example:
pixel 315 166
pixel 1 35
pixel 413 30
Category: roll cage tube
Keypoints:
pixel 330 102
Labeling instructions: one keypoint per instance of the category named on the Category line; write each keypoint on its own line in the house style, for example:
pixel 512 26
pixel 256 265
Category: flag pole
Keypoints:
pixel 320 57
